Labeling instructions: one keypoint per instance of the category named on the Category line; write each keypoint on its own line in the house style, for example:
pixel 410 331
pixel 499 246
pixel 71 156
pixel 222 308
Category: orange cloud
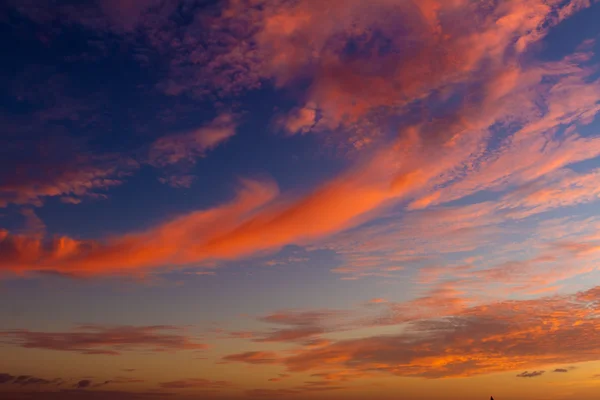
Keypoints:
pixel 503 336
pixel 250 224
pixel 377 301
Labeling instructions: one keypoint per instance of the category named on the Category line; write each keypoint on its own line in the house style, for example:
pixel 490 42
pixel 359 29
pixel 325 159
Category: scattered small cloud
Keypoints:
pixel 196 383
pixel 531 374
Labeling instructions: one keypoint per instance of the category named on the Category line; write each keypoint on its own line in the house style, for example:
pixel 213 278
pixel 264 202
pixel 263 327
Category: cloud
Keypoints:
pixel 174 242
pixel 495 337
pixel 33 224
pixel 300 120
pixel 353 69
pixel 431 160
pixel 243 226
pixel 104 340
pixel 279 378
pixel 307 387
pixel 254 357
pixel 531 374
pixel 123 380
pixel 561 370
pixel 187 146
pixel 241 335
pixel 177 181
pixel 28 380
pixel 299 325
pixel 84 383
pixel 197 383
pixel 91 394
pixel 175 154
pixel 68 179
pixel 377 301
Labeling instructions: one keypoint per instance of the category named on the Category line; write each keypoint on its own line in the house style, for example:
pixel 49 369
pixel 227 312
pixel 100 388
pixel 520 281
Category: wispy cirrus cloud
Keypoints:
pixel 426 166
pixel 188 146
pixel 71 180
pixel 300 326
pixel 75 176
pixel 348 78
pixel 183 149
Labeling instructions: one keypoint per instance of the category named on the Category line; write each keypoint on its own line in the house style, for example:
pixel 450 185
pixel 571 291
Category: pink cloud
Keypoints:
pixel 300 120
pixel 187 146
pixel 72 180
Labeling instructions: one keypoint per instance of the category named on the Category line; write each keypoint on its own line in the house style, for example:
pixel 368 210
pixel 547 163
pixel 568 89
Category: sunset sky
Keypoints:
pixel 300 199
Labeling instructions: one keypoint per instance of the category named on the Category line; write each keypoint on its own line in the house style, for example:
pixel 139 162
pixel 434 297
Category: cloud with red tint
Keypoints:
pixel 431 161
pixel 104 340
pixel 301 120
pixel 245 226
pixel 181 150
pixel 300 325
pixel 459 142
pixel 362 61
pixel 185 148
pixel 70 180
pixel 33 224
pixel 377 301
pixel 496 337
pixel 175 242
pixel 279 378
pixel 58 168
pixel 197 383
pixel 254 357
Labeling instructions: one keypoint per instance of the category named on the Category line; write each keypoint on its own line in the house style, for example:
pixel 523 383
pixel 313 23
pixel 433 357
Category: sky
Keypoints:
pixel 299 199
